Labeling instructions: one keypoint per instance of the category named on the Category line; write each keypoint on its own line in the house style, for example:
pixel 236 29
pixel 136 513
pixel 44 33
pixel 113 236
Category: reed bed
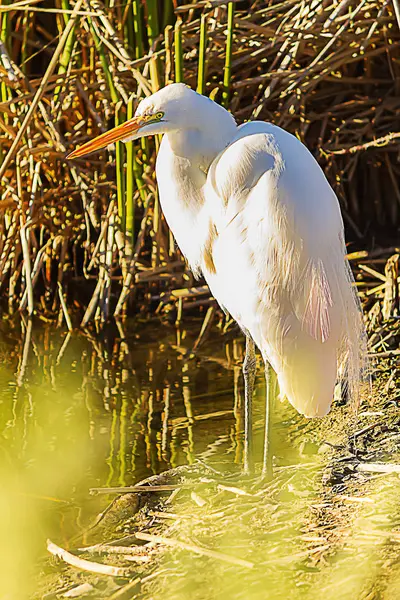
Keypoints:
pixel 88 237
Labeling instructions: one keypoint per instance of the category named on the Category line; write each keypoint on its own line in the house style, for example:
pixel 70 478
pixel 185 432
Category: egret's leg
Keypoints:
pixel 269 391
pixel 249 374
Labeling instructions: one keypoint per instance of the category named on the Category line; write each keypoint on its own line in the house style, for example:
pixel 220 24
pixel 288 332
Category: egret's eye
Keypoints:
pixel 159 115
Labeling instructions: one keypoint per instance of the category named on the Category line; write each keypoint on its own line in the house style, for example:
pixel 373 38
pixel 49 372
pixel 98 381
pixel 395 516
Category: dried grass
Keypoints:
pixel 329 72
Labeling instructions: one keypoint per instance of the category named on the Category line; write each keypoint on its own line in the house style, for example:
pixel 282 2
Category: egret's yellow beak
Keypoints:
pixel 117 134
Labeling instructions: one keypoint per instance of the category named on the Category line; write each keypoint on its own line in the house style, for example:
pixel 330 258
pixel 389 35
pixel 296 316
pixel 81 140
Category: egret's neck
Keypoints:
pixel 201 146
pixel 182 165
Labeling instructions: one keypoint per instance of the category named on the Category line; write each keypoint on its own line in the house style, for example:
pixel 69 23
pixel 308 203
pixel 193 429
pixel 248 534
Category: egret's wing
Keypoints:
pixel 279 241
pixel 290 216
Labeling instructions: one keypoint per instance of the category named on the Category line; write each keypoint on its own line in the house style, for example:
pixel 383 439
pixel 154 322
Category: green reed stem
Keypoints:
pixel 168 14
pixel 178 51
pixel 5 92
pixel 134 426
pixel 153 31
pixel 228 57
pixel 119 166
pixel 130 173
pixel 201 71
pixel 137 28
pixel 66 55
pixel 123 426
pixel 153 28
pixel 5 27
pixel 139 52
pixel 104 63
pixel 110 458
pixel 27 22
pixel 128 26
pixel 65 6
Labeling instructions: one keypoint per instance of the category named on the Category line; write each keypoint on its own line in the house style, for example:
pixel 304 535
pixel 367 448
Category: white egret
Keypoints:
pixel 252 211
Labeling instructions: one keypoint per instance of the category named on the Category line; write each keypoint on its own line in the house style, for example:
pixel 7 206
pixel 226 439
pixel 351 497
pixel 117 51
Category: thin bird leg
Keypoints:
pixel 249 374
pixel 269 392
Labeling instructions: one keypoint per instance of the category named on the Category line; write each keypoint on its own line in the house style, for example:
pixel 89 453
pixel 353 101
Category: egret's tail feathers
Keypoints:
pixel 353 366
pixel 323 341
pixel 306 382
pixel 318 301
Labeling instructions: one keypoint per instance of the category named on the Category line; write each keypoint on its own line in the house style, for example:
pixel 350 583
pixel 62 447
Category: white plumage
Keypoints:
pixel 278 255
pixel 252 211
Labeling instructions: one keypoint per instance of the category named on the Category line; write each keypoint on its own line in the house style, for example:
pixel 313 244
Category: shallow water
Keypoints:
pixel 85 411
pixel 79 411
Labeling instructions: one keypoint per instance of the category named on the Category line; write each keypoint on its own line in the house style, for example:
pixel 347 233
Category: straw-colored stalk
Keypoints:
pixel 40 91
pixel 138 174
pixel 27 263
pixel 119 166
pixel 154 74
pixel 168 54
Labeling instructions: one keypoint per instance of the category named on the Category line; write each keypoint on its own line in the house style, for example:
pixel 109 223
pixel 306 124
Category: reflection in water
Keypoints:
pixel 79 412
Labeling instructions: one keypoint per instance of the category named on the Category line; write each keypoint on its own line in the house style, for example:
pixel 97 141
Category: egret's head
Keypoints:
pixel 172 108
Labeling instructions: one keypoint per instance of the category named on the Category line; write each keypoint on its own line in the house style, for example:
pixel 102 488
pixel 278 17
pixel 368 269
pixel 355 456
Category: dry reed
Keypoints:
pixel 328 72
